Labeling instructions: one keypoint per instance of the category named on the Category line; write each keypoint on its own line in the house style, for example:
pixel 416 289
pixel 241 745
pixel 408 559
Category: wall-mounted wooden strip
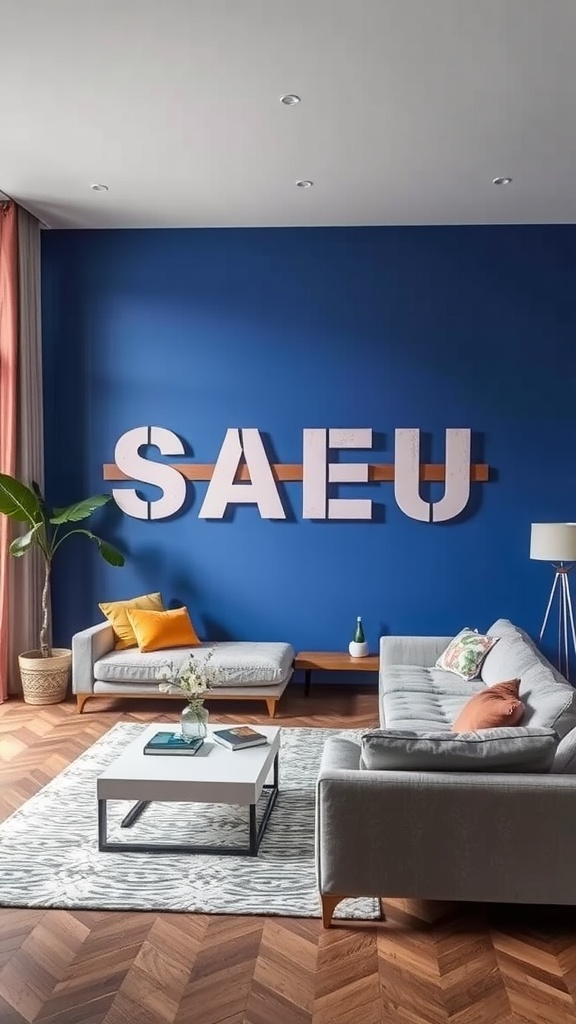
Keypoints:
pixel 431 472
pixel 290 472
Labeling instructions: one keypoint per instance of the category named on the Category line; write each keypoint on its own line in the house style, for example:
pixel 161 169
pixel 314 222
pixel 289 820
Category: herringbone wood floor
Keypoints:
pixel 425 964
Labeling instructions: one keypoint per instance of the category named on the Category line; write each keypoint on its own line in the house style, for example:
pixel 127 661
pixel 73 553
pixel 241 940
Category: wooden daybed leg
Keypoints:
pixel 81 699
pixel 329 904
pixel 271 705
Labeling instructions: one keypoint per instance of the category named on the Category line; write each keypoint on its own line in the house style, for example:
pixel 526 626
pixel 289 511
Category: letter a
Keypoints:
pixel 223 491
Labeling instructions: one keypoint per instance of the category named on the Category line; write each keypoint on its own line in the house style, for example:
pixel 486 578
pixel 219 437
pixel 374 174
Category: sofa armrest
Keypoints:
pixel 444 836
pixel 87 646
pixel 412 650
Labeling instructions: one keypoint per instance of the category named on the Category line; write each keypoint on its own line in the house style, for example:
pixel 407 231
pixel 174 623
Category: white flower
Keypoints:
pixel 194 679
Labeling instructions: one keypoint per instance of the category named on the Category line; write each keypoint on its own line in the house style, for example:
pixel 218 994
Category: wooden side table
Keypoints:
pixel 332 661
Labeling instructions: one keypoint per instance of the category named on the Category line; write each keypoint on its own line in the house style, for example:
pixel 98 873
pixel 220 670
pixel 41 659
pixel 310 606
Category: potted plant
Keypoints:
pixel 45 673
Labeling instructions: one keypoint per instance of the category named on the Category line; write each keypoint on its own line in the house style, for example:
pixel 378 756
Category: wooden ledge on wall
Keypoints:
pixel 292 472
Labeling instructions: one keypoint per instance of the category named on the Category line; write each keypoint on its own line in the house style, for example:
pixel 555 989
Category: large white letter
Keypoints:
pixel 314 473
pixel 128 459
pixel 407 476
pixel 261 491
pixel 317 474
pixel 347 472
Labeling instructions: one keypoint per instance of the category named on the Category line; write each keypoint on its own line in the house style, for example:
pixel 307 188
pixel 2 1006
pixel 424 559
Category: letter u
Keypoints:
pixel 407 476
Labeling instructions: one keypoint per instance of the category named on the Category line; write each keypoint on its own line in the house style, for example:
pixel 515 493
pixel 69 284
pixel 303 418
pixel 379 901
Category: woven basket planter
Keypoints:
pixel 45 680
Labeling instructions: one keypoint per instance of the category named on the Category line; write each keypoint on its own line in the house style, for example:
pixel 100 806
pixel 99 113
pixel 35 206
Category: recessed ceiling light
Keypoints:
pixel 304 183
pixel 501 181
pixel 289 99
pixel 99 188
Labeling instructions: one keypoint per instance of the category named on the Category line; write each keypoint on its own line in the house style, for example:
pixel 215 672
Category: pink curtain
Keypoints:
pixel 8 399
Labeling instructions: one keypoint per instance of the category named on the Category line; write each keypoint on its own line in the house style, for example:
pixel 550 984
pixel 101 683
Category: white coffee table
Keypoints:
pixel 214 775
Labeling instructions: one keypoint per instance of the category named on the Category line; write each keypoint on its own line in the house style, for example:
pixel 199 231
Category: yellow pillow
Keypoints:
pixel 156 631
pixel 115 612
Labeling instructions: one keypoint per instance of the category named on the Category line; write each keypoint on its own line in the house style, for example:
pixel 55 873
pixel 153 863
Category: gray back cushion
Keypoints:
pixel 565 756
pixel 548 697
pixel 503 627
pixel 508 659
pixel 507 749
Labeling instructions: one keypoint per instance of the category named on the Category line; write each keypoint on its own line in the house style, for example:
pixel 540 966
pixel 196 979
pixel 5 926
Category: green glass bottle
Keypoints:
pixel 359 637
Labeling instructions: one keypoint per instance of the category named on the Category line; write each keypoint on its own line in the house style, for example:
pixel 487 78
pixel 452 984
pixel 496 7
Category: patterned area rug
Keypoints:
pixel 49 851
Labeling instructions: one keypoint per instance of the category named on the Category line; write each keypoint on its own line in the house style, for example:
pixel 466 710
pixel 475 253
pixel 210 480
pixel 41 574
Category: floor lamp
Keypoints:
pixel 556 543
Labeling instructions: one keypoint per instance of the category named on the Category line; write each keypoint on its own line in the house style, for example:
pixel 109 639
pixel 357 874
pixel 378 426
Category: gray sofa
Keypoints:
pixel 246 671
pixel 439 835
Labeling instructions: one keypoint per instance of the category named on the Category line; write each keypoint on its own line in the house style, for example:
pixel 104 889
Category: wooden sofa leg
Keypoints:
pixel 329 904
pixel 81 699
pixel 271 705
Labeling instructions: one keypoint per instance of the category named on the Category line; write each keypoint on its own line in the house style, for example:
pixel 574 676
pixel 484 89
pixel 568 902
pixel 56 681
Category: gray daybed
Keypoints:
pixel 246 671
pixel 479 835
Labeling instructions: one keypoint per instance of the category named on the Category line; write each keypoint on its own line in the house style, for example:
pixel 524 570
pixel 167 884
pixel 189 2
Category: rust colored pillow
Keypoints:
pixel 495 706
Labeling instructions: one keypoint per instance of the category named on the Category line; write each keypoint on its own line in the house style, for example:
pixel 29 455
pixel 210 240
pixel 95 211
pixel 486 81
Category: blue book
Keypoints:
pixel 171 743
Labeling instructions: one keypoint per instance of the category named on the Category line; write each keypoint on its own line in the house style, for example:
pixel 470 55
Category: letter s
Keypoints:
pixel 128 459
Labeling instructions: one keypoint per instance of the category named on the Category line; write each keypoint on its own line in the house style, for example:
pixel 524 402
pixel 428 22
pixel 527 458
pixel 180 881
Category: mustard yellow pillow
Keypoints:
pixel 115 612
pixel 155 631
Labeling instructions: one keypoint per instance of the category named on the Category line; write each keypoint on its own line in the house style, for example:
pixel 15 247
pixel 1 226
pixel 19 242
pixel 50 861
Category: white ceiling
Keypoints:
pixel 409 109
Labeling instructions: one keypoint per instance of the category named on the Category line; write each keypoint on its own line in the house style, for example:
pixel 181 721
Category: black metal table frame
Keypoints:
pixel 256 831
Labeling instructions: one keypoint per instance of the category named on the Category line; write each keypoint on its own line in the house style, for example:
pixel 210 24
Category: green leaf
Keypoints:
pixel 109 553
pixel 22 544
pixel 79 510
pixel 18 501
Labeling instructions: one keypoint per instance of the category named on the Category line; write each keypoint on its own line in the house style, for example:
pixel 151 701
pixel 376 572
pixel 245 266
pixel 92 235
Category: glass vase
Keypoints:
pixel 193 721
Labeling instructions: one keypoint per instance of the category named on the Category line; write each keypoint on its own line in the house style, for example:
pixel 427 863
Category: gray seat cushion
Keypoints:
pixel 418 679
pixel 237 663
pixel 515 749
pixel 413 697
pixel 431 710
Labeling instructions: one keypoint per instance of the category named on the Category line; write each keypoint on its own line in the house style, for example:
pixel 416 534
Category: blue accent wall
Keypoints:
pixel 281 329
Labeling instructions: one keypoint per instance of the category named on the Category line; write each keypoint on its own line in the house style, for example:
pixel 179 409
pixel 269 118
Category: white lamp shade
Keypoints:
pixel 553 542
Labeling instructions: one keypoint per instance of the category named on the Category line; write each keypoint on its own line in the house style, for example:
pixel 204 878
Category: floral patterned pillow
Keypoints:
pixel 465 653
